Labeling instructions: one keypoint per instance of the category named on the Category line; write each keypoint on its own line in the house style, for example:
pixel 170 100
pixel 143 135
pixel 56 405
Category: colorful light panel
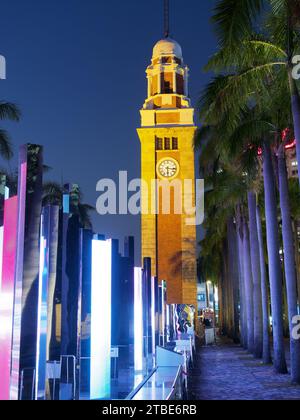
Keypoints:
pixel 41 353
pixel 153 314
pixel 16 342
pixel 138 320
pixel 1 252
pixel 7 294
pixel 100 370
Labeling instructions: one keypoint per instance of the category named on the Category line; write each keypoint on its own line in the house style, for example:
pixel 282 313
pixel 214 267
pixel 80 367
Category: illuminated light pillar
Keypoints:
pixel 40 377
pixel 147 316
pixel 168 323
pixel 100 368
pixel 7 293
pixel 48 243
pixel 27 264
pixel 84 348
pixel 153 300
pixel 138 321
pixel 1 252
pixel 154 314
pixel 162 312
pixel 2 201
pixel 71 279
pixel 64 331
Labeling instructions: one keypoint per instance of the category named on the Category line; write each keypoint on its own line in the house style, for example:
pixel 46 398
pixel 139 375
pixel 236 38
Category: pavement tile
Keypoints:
pixel 227 372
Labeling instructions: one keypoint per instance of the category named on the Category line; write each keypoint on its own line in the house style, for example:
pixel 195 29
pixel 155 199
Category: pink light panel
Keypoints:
pixel 7 293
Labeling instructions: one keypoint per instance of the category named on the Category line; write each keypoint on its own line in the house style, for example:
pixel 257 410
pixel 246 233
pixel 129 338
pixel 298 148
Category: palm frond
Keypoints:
pixel 234 20
pixel 9 111
pixel 5 145
pixel 253 51
pixel 231 94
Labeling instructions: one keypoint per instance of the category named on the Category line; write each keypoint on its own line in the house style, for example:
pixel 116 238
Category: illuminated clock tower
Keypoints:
pixel 167 154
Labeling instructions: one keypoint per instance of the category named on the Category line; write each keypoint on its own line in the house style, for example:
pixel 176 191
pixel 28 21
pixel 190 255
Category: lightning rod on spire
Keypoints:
pixel 166 18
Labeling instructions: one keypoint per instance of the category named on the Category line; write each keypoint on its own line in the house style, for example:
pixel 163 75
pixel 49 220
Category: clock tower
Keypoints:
pixel 167 155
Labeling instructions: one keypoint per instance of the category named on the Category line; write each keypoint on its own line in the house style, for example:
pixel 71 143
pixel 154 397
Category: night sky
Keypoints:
pixel 77 69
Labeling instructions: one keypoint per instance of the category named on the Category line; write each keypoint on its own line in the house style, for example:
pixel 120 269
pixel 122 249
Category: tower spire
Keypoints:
pixel 166 18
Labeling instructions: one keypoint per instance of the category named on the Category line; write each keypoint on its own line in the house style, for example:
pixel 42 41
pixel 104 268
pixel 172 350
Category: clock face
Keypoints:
pixel 168 168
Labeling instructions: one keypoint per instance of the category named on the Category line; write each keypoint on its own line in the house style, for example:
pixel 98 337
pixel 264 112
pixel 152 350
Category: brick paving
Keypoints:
pixel 227 372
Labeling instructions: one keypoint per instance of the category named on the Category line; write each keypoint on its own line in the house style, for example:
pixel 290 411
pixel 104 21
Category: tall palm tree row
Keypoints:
pixel 249 112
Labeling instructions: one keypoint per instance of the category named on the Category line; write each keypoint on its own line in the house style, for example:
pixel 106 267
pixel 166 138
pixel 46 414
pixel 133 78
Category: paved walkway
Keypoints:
pixel 227 372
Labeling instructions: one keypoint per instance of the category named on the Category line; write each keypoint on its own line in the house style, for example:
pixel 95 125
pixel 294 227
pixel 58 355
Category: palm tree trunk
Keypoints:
pixel 222 287
pixel 214 306
pixel 275 273
pixel 225 326
pixel 267 359
pixel 243 313
pixel 255 265
pixel 207 294
pixel 297 256
pixel 248 288
pixel 243 316
pixel 221 309
pixel 286 330
pixel 289 264
pixel 234 277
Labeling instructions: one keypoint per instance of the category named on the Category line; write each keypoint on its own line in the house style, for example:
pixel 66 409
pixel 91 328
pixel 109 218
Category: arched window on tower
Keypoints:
pixel 167 82
pixel 166 60
pixel 179 84
pixel 167 143
pixel 158 143
pixel 174 143
pixel 154 85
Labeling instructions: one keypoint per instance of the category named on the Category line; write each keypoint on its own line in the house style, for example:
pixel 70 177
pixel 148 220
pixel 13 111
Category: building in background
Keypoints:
pixel 291 161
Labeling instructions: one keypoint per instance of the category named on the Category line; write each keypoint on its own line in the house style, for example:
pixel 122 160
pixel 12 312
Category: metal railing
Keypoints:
pixel 53 373
pixel 140 386
pixel 68 374
pixel 176 393
pixel 27 384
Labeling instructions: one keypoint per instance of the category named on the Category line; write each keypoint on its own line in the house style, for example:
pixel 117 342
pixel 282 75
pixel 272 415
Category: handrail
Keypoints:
pixel 140 386
pixel 175 383
pixel 73 383
pixel 33 384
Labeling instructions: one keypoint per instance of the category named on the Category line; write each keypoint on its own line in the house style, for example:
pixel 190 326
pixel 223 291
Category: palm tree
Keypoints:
pixel 11 112
pixel 243 309
pixel 274 260
pixel 248 287
pixel 273 128
pixel 264 292
pixel 261 58
pixel 53 195
pixel 289 261
pixel 248 73
pixel 251 131
pixel 256 275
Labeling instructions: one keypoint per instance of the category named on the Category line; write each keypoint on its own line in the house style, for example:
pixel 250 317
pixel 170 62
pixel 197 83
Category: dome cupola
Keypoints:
pixel 167 47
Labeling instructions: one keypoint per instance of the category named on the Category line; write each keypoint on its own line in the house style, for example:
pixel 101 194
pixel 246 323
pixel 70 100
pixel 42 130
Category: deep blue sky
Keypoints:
pixel 77 70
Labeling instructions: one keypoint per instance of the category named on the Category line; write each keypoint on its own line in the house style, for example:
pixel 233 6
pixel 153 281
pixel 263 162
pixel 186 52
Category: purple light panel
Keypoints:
pixel 7 293
pixel 16 339
pixel 138 320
